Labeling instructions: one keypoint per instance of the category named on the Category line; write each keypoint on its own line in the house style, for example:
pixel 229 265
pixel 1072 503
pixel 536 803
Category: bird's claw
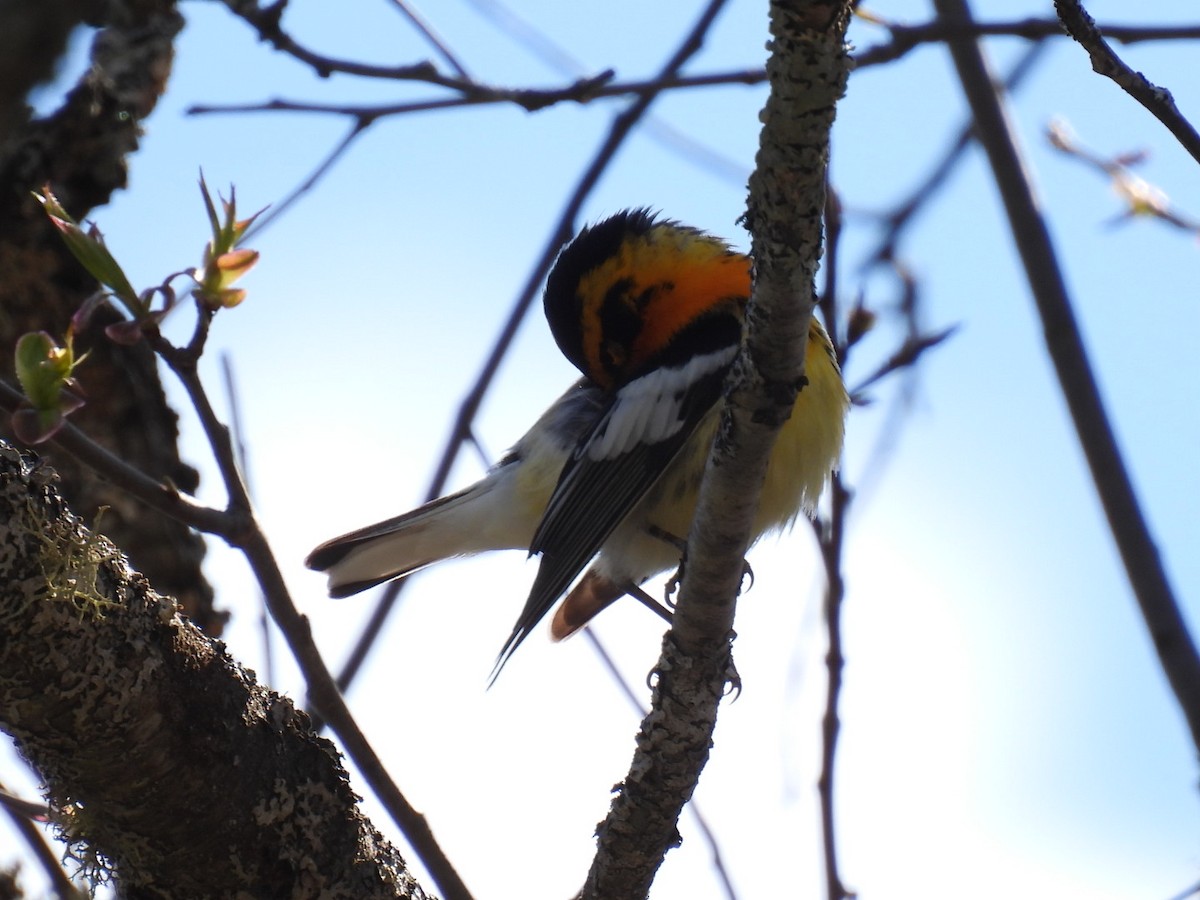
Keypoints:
pixel 673 584
pixel 733 681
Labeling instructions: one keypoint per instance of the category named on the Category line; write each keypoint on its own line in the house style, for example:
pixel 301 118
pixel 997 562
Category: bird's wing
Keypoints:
pixel 633 441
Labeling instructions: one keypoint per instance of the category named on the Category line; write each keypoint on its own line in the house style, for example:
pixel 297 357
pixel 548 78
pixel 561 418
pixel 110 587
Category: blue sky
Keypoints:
pixel 1006 730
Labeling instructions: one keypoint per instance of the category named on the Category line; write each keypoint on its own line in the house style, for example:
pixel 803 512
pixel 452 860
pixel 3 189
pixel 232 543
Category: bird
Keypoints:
pixel 605 482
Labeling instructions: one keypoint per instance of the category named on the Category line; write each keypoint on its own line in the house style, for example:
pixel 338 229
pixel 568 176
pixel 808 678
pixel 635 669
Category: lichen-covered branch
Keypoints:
pixel 808 68
pixel 166 763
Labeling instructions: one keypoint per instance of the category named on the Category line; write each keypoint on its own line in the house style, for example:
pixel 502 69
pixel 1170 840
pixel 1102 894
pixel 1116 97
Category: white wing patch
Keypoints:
pixel 649 409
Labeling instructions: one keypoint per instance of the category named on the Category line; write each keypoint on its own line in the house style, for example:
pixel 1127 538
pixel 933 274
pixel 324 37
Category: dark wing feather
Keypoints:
pixel 617 463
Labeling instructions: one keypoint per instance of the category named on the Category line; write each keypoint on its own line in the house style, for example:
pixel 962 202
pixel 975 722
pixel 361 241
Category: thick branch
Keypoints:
pixel 161 754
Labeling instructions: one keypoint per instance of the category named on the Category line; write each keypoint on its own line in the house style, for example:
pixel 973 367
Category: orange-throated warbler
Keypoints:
pixel 651 312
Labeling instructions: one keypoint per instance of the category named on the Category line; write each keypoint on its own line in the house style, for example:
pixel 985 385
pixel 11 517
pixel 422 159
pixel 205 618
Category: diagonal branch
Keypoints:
pixel 1159 607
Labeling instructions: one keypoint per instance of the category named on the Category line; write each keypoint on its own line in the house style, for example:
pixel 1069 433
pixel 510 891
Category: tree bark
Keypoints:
pixel 166 763
pixel 81 150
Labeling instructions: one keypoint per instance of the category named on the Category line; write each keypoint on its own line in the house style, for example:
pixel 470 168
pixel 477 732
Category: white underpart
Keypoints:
pixel 648 409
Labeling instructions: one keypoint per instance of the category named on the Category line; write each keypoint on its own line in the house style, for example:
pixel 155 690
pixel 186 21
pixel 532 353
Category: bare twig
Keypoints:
pixel 908 37
pixel 1105 62
pixel 583 90
pixel 1140 197
pixel 435 40
pixel 163 497
pixel 602 85
pixel 267 21
pixel 36 811
pixel 339 150
pixel 905 212
pixel 554 55
pixel 902 361
pixel 830 536
pixel 1168 631
pixel 905 356
pixel 527 35
pixel 830 539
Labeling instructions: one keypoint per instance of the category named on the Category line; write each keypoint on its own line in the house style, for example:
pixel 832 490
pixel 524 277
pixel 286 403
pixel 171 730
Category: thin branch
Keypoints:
pixel 830 533
pixel 583 90
pixel 1141 198
pixel 602 86
pixel 527 35
pixel 267 21
pixel 905 212
pixel 905 356
pixel 1160 609
pixel 21 814
pixel 239 443
pixel 165 498
pixel 339 150
pixel 324 694
pixel 882 449
pixel 1105 62
pixel 908 37
pixel 558 58
pixel 830 540
pixel 418 22
pixel 34 811
pixel 1190 892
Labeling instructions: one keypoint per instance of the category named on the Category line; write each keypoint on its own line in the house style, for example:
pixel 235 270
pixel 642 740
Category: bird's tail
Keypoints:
pixel 443 528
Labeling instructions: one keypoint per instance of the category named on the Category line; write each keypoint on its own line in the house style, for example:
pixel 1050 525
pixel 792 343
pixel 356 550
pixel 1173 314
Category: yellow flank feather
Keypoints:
pixel 805 452
pixel 810 442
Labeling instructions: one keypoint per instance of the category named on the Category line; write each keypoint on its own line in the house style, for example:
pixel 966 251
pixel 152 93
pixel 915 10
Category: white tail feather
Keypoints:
pixel 481 517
